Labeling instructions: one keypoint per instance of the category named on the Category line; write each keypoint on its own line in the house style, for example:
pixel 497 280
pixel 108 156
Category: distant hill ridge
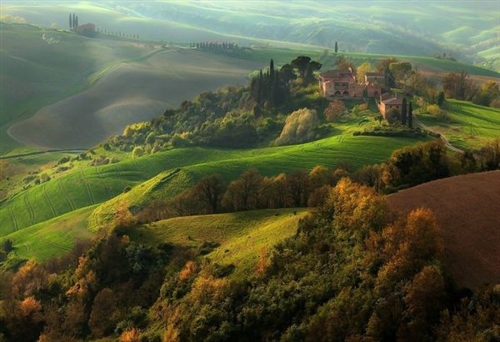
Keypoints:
pixel 467 208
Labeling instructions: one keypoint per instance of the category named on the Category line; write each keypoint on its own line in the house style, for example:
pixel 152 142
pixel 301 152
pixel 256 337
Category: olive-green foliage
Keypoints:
pixel 352 271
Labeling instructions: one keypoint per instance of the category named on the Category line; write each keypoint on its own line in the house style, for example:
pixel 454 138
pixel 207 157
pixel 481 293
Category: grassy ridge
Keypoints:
pixel 241 235
pixel 51 238
pixel 92 185
pixel 469 126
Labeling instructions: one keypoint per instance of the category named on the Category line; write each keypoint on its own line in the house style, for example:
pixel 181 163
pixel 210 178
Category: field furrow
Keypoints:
pixel 87 187
pixel 29 207
pixel 14 220
pixel 66 194
pixel 48 201
pixel 106 184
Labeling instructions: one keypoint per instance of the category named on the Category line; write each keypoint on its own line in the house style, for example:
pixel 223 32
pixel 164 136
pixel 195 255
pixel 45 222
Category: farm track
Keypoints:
pixel 47 198
pixel 108 187
pixel 117 170
pixel 87 186
pixel 53 243
pixel 14 220
pixel 29 207
pixel 65 191
pixel 443 138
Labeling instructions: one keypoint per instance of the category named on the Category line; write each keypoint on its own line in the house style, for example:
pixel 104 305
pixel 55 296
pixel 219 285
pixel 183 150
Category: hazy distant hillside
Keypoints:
pixel 466 29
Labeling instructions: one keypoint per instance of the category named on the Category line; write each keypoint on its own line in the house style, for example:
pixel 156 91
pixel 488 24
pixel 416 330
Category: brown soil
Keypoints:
pixel 130 93
pixel 468 210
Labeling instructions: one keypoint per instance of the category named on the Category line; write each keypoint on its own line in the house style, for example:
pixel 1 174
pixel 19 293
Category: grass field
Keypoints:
pixel 469 126
pixel 51 238
pixel 242 236
pixel 466 208
pixel 87 186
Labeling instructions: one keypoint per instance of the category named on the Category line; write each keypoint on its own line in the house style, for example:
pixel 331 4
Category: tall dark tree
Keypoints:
pixel 70 21
pixel 271 71
pixel 76 21
pixel 410 115
pixel 404 112
pixel 301 63
pixel 336 47
pixel 440 99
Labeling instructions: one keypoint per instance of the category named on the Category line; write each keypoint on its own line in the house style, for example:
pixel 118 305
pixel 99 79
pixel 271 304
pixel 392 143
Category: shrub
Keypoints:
pixel 138 151
pixel 299 127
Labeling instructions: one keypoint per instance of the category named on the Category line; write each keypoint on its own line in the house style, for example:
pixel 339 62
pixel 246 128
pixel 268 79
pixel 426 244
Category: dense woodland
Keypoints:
pixel 354 271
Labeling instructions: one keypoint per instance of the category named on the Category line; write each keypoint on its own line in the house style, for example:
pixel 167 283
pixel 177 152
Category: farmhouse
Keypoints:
pixel 387 102
pixel 342 83
pixel 375 78
pixel 86 30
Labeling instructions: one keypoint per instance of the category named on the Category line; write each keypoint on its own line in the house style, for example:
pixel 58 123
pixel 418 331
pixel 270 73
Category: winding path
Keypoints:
pixel 443 138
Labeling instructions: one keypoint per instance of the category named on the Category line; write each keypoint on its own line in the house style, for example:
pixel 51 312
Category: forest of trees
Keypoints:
pixel 353 271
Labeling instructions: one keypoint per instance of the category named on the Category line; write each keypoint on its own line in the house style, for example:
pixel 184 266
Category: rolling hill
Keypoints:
pixel 237 238
pixel 86 185
pixel 55 82
pixel 468 210
pixel 466 126
pixel 409 28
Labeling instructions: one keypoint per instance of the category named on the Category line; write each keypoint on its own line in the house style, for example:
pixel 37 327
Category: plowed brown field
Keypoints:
pixel 468 210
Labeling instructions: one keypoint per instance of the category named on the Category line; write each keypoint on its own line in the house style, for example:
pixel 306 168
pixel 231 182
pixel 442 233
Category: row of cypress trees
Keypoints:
pixel 73 20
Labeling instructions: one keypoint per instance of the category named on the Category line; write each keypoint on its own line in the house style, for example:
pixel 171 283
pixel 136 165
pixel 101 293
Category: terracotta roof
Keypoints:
pixel 393 101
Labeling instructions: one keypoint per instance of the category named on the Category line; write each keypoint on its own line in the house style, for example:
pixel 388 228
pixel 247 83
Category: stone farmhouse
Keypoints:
pixel 388 101
pixel 342 84
pixel 87 29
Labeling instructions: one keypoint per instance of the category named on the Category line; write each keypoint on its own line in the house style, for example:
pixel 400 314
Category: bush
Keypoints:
pixel 138 151
pixel 299 127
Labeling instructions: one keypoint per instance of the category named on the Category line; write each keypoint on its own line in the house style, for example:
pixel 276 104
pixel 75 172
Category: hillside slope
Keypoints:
pixel 85 186
pixel 236 238
pixel 468 210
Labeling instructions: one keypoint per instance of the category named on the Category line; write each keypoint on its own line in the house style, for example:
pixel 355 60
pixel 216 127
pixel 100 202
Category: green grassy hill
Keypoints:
pixel 467 126
pixel 86 186
pixel 41 66
pixel 240 236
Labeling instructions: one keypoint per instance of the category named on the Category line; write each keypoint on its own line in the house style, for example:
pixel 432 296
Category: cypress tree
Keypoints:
pixel 70 21
pixel 271 70
pixel 410 116
pixel 74 20
pixel 404 112
pixel 76 23
pixel 336 47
